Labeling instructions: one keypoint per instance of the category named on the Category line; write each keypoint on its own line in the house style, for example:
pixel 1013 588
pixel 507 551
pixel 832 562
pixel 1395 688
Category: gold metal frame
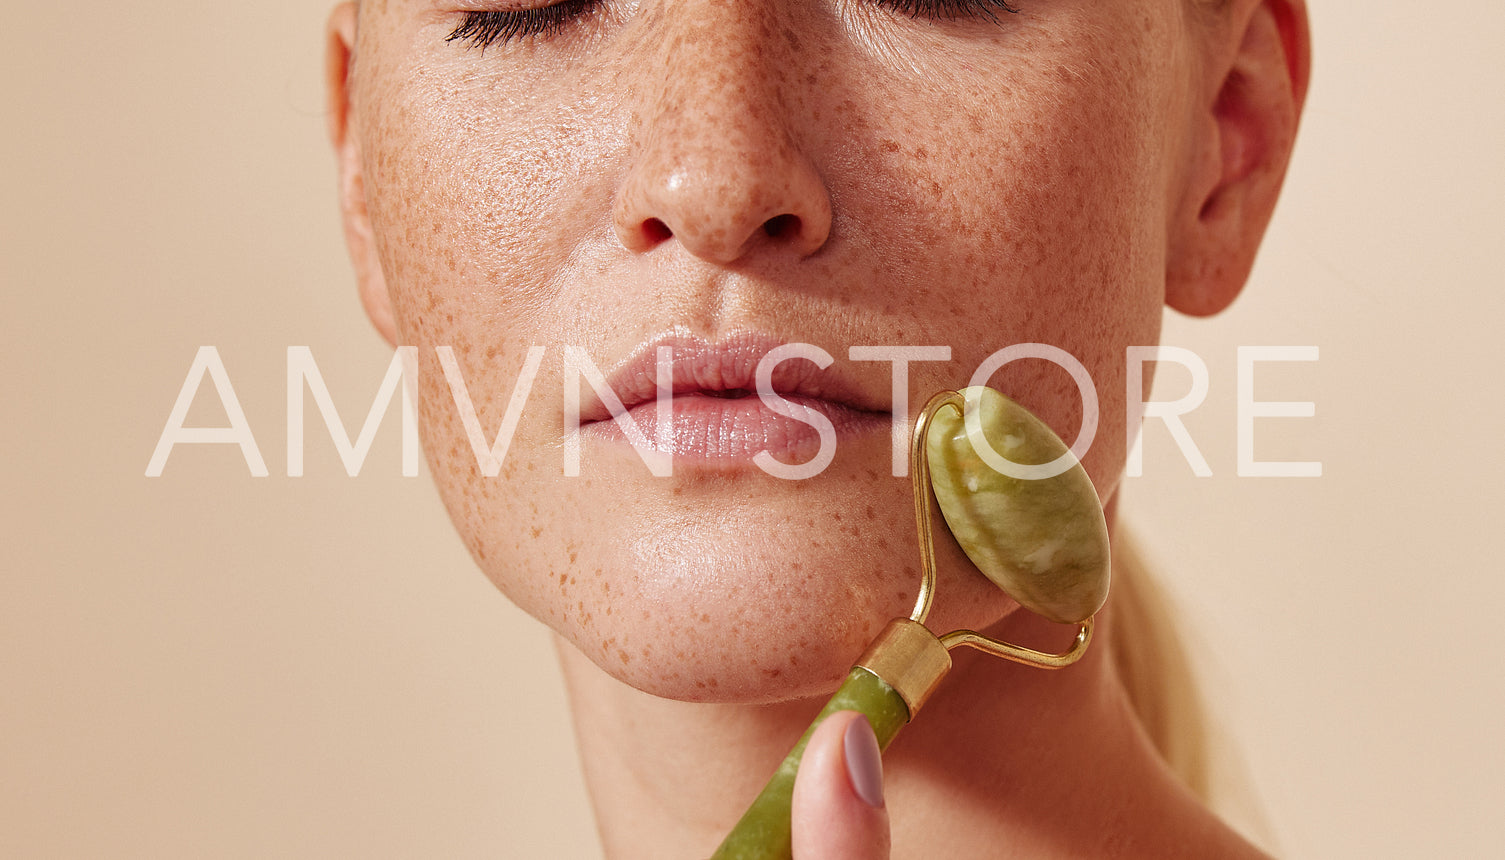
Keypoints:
pixel 924 494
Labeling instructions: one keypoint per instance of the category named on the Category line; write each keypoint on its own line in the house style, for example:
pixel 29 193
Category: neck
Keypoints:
pixel 1005 761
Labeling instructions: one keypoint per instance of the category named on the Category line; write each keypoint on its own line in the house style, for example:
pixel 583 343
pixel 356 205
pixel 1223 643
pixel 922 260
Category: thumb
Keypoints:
pixel 838 811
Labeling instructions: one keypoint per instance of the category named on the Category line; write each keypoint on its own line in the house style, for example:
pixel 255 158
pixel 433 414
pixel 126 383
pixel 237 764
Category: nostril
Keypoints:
pixel 781 225
pixel 656 231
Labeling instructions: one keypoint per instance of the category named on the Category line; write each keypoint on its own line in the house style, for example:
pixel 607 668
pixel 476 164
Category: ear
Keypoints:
pixel 1258 63
pixel 359 240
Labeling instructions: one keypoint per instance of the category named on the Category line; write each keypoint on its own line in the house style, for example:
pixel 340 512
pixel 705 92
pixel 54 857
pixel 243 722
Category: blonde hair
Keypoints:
pixel 1152 661
pixel 1152 664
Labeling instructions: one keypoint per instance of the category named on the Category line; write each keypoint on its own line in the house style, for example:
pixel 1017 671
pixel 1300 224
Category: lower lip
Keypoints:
pixel 735 430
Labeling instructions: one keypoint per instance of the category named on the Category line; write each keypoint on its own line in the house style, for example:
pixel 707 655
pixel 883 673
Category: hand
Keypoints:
pixel 838 811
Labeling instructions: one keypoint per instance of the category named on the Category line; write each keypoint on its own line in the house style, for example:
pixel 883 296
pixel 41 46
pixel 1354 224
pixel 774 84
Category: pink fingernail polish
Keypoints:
pixel 864 762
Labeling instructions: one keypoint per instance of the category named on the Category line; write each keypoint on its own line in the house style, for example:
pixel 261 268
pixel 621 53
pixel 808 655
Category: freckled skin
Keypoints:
pixel 822 172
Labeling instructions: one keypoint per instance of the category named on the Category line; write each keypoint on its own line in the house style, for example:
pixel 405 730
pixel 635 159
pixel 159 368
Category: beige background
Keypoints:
pixel 210 665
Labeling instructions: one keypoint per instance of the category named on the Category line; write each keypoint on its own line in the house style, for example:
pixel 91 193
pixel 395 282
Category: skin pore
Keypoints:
pixel 726 176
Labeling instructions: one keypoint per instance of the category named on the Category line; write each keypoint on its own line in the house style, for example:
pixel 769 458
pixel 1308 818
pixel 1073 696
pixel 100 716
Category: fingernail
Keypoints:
pixel 864 762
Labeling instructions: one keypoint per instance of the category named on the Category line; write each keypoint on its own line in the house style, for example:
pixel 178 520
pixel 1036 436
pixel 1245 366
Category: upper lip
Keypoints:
pixel 728 365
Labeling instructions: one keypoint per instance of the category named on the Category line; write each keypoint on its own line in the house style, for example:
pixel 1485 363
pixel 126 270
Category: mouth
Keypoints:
pixel 713 408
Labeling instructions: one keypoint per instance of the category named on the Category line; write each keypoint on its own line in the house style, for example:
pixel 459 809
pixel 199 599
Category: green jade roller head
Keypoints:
pixel 1019 504
pixel 1023 509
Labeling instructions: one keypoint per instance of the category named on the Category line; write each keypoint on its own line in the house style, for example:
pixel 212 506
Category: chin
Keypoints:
pixel 745 635
pixel 756 627
pixel 760 673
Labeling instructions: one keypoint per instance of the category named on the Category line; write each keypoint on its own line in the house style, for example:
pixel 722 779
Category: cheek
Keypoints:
pixel 469 208
pixel 1025 209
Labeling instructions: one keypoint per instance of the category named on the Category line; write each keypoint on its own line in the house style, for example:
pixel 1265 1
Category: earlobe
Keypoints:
pixel 1245 129
pixel 359 239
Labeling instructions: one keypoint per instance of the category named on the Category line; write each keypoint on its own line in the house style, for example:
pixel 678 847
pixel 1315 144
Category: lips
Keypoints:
pixel 716 414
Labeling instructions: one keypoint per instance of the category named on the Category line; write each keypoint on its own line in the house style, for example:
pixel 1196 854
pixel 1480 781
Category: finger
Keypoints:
pixel 838 807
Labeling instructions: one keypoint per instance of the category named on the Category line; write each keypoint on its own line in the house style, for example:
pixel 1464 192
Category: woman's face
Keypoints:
pixel 724 177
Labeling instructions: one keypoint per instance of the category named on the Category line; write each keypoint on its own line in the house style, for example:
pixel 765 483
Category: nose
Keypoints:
pixel 718 165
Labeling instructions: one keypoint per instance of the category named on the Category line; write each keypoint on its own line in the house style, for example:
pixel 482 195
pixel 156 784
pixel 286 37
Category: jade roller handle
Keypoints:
pixel 889 684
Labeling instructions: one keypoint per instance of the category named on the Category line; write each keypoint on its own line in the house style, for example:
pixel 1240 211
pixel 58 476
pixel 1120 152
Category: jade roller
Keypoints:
pixel 1026 514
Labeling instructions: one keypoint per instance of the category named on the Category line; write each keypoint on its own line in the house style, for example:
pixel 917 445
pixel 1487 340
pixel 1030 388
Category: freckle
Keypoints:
pixel 889 146
pixel 537 531
pixel 572 558
pixel 871 514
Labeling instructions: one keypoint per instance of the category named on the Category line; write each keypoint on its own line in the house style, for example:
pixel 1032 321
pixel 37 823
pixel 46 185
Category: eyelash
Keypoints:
pixel 935 10
pixel 484 29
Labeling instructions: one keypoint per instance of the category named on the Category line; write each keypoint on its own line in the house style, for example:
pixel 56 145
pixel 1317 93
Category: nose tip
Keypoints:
pixel 722 143
pixel 724 202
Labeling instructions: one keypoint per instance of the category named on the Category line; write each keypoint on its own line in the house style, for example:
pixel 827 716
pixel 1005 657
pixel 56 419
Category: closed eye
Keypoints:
pixel 936 10
pixel 484 29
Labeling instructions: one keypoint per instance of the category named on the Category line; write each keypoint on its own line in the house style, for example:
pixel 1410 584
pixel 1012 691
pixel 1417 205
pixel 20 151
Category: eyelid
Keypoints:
pixel 504 7
pixel 482 28
pixel 943 9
